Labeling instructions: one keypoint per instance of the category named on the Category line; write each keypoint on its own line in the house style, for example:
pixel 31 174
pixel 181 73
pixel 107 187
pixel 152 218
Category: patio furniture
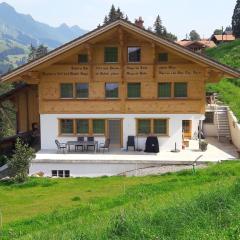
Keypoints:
pixel 61 146
pixel 152 145
pixel 91 143
pixel 105 146
pixel 131 142
pixel 85 143
pixel 80 143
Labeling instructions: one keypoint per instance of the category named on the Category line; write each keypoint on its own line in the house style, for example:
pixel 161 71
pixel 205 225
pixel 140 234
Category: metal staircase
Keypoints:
pixel 224 134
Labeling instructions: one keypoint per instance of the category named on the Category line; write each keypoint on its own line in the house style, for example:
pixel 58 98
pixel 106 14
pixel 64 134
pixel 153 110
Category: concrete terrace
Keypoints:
pixel 216 152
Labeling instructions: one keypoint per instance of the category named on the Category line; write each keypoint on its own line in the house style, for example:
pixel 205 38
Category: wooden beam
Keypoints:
pixel 90 61
pixel 154 61
pixel 121 51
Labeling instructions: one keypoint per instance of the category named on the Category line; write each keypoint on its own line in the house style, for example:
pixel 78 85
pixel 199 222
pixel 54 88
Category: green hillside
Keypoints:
pixel 180 206
pixel 229 90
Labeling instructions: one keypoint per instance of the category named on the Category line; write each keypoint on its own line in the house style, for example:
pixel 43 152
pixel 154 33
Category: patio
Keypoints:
pixel 216 152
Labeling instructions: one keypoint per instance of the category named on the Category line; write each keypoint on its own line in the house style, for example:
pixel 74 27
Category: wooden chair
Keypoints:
pixel 61 146
pixel 90 143
pixel 131 142
pixel 81 143
pixel 105 146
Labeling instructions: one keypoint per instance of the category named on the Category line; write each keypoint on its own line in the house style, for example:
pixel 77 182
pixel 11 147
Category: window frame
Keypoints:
pixel 57 173
pixel 109 62
pixel 152 127
pixel 107 97
pixel 163 60
pixel 77 89
pixel 140 90
pixel 174 89
pixel 82 119
pixel 60 127
pixel 79 56
pixel 128 60
pixel 60 90
pixel 158 85
pixel 104 130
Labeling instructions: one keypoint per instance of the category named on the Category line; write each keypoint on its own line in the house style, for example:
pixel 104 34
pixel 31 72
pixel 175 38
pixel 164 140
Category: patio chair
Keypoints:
pixel 61 146
pixel 80 144
pixel 90 143
pixel 131 142
pixel 105 146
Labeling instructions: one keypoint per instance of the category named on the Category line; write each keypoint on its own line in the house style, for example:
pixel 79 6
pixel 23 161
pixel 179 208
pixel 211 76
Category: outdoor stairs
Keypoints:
pixel 224 134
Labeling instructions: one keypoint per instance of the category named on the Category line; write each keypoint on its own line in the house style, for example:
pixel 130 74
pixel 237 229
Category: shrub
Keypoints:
pixel 20 161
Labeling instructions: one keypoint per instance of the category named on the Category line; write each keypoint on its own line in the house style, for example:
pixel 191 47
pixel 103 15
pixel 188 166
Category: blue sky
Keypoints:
pixel 179 16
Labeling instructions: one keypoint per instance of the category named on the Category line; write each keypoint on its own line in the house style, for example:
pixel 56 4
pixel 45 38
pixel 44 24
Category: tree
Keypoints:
pixel 113 15
pixel 161 31
pixel 236 20
pixel 37 52
pixel 194 36
pixel 218 32
pixel 20 161
pixel 158 27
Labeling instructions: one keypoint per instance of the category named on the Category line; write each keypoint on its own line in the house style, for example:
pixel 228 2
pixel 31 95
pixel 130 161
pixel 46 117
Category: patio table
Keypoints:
pixel 84 143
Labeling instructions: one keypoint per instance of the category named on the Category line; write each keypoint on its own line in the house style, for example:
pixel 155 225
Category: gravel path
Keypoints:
pixel 158 170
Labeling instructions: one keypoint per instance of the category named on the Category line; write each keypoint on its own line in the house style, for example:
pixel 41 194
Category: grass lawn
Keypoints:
pixel 229 90
pixel 184 205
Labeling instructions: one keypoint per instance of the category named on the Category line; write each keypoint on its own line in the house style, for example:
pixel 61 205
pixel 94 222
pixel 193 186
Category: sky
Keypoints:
pixel 179 16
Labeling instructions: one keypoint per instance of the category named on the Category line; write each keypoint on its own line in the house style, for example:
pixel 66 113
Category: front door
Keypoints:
pixel 114 130
pixel 187 129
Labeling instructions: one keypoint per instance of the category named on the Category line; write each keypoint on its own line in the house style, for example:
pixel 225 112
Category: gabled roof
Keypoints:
pixel 203 42
pixel 130 26
pixel 224 37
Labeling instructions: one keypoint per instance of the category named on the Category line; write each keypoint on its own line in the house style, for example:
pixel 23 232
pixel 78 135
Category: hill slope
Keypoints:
pixel 229 90
pixel 181 206
pixel 18 31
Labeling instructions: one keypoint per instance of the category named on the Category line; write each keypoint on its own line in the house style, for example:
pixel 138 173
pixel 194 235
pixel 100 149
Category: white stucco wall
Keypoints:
pixel 210 129
pixel 235 129
pixel 49 128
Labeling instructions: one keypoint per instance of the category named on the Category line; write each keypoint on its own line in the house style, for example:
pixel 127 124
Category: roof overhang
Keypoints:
pixel 226 70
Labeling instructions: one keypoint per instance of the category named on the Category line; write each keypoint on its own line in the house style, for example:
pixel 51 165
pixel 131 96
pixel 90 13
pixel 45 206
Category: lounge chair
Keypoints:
pixel 131 142
pixel 105 146
pixel 80 144
pixel 90 143
pixel 61 146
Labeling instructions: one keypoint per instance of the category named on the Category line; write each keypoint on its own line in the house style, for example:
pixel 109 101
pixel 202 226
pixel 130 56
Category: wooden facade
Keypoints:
pixel 61 66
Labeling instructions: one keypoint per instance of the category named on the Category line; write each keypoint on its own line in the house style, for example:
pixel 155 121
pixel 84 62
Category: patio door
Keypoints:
pixel 114 132
pixel 187 129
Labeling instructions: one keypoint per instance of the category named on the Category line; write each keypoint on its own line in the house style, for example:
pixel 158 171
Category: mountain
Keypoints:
pixel 18 31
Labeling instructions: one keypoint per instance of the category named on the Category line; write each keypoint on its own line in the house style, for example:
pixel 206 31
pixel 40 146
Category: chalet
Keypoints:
pixel 217 39
pixel 197 46
pixel 116 81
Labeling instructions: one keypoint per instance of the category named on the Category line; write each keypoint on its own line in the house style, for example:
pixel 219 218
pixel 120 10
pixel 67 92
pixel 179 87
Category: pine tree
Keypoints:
pixel 158 27
pixel 236 20
pixel 112 16
pixel 32 53
pixel 119 14
pixel 105 21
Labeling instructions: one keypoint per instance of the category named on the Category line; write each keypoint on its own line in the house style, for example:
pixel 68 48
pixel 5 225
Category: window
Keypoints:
pixel 164 90
pixel 163 57
pixel 82 58
pixel 99 126
pixel 82 126
pixel 82 90
pixel 209 117
pixel 160 126
pixel 144 126
pixel 180 90
pixel 134 90
pixel 111 90
pixel 111 55
pixel 61 173
pixel 134 54
pixel 66 126
pixel 66 90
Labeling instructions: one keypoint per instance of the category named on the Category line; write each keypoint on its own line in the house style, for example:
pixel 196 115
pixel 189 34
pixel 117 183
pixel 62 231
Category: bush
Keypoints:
pixel 20 161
